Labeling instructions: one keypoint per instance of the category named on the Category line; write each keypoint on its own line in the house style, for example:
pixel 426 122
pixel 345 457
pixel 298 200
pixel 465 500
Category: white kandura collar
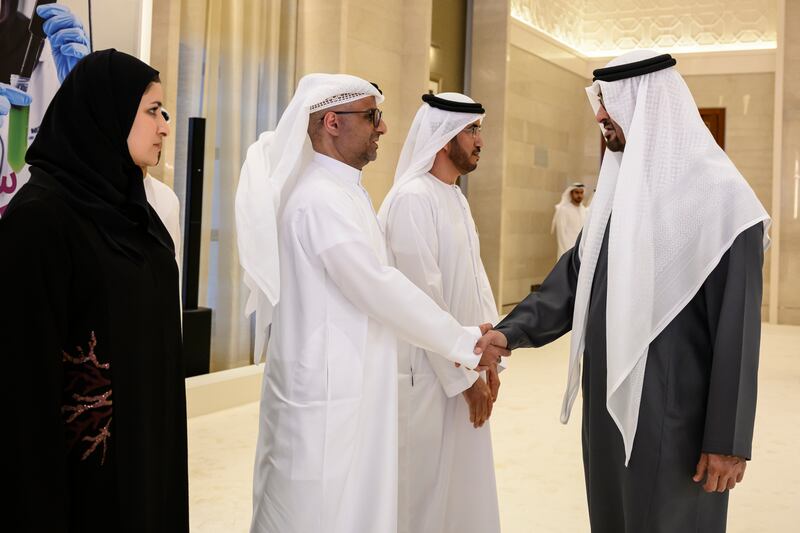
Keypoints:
pixel 338 169
pixel 440 182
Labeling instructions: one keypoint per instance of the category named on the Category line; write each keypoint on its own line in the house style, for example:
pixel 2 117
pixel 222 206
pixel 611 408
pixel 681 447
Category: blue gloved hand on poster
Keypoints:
pixel 10 96
pixel 68 41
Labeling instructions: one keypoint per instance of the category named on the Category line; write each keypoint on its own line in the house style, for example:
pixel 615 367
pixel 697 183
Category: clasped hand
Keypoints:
pixel 483 393
pixel 491 347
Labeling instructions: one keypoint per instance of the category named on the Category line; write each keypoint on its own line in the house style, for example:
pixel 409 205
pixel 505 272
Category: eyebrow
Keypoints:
pixel 158 103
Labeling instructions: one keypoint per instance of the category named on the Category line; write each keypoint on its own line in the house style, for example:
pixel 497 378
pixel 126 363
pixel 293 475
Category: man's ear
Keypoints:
pixel 330 121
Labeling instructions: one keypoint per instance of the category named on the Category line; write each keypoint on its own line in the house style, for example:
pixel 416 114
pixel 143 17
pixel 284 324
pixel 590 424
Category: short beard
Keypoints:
pixel 460 159
pixel 370 153
pixel 615 145
pixel 366 157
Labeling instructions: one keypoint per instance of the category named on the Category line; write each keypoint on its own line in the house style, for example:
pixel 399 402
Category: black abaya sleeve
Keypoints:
pixel 546 314
pixel 733 296
pixel 34 303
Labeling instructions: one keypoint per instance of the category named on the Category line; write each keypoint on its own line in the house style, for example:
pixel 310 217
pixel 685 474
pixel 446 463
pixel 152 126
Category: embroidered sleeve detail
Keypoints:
pixel 90 358
pixel 87 406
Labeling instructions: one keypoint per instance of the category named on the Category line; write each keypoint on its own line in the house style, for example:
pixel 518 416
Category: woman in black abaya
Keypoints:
pixel 94 393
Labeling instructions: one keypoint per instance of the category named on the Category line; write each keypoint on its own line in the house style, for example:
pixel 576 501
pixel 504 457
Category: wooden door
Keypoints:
pixel 714 118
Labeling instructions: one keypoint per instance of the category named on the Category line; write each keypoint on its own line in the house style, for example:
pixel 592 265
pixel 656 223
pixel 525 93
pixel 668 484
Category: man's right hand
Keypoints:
pixel 479 399
pixel 491 347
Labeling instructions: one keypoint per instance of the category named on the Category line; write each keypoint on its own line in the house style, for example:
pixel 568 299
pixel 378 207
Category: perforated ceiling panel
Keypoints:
pixel 602 28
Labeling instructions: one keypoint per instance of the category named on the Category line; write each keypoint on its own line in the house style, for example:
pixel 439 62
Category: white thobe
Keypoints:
pixel 326 458
pixel 445 463
pixel 165 203
pixel 567 224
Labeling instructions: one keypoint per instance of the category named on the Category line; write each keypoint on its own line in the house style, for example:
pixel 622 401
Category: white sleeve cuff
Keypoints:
pixel 464 349
pixel 457 386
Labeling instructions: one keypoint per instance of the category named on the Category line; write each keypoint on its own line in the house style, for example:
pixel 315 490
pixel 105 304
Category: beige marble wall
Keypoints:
pixel 539 136
pixel 164 52
pixel 749 101
pixel 549 122
pixel 488 86
pixel 384 41
pixel 789 268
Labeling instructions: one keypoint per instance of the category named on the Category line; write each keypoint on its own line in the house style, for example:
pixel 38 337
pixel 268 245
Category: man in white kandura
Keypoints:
pixel 445 448
pixel 316 265
pixel 569 217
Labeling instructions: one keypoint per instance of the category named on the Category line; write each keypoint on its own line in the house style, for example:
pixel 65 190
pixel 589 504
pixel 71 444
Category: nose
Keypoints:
pixel 602 115
pixel 382 127
pixel 479 140
pixel 163 127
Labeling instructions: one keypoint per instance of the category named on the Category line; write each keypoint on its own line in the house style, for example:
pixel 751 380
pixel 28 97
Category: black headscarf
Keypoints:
pixel 81 150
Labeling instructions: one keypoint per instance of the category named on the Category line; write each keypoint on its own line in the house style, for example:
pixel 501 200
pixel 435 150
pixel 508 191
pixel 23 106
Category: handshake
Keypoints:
pixel 480 397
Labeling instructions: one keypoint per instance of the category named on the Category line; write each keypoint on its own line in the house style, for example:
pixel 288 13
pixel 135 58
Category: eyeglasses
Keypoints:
pixel 165 114
pixel 474 130
pixel 373 114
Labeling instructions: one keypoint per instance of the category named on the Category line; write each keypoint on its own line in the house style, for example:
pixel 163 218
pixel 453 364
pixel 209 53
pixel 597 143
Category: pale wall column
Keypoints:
pixel 321 36
pixel 488 86
pixel 164 51
pixel 789 222
pixel 388 43
pixel 385 42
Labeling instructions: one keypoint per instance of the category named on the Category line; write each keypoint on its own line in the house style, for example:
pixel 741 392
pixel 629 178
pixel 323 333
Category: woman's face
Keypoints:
pixel 149 128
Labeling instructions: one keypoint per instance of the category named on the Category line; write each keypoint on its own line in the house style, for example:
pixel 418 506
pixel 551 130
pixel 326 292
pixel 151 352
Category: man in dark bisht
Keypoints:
pixel 662 292
pixel 95 412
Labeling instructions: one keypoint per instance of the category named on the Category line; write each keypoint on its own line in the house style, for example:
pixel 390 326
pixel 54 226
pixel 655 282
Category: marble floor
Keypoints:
pixel 538 460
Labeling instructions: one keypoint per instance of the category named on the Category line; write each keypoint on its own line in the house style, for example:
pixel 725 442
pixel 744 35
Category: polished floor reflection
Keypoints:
pixel 539 473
